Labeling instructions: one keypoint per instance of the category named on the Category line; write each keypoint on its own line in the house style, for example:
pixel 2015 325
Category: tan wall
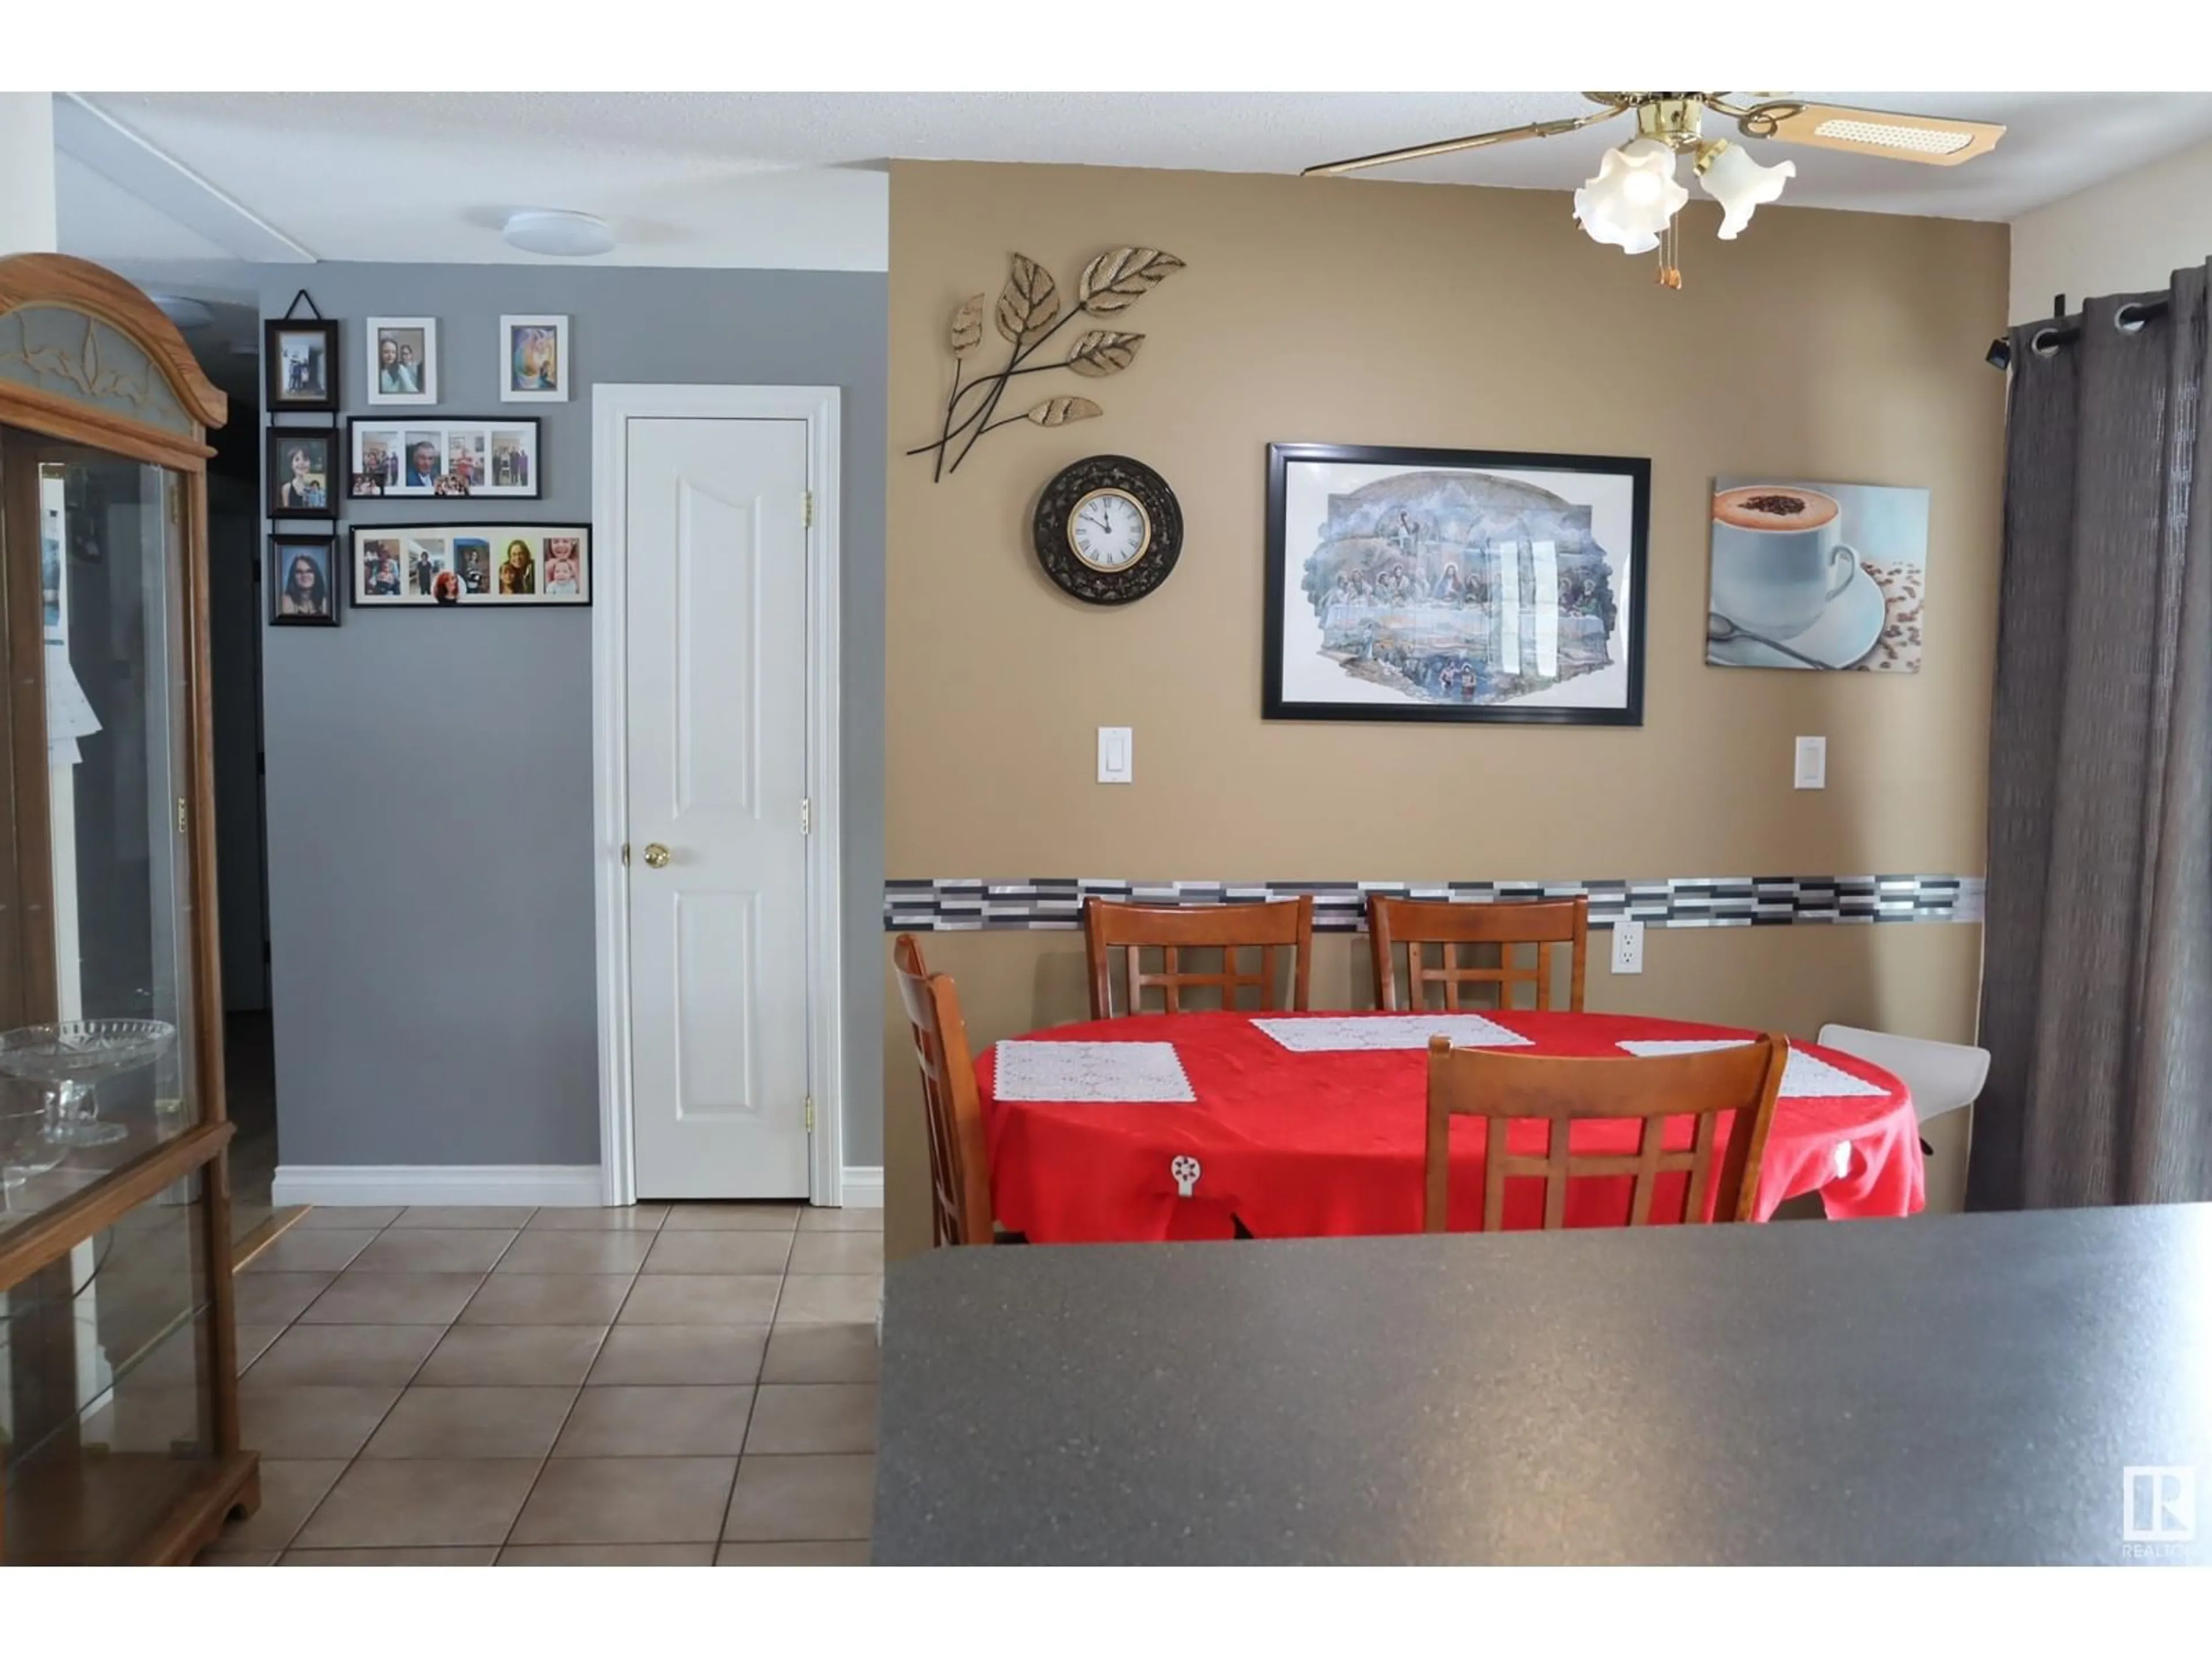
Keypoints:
pixel 1838 345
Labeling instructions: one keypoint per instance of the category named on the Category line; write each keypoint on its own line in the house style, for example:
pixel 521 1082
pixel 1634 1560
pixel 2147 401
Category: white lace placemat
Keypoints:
pixel 1806 1076
pixel 1090 1071
pixel 1316 1036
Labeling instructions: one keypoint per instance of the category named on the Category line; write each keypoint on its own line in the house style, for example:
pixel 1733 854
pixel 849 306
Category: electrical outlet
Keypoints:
pixel 1627 946
pixel 1812 763
pixel 1117 756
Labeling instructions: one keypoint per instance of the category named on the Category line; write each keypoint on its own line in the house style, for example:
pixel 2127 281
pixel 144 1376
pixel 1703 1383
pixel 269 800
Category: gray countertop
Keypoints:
pixel 1966 1389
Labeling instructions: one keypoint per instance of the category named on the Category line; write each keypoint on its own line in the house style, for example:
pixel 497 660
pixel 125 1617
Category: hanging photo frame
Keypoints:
pixel 475 566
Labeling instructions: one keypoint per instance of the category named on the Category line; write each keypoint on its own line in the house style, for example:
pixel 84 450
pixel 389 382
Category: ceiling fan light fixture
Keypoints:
pixel 1740 185
pixel 1633 197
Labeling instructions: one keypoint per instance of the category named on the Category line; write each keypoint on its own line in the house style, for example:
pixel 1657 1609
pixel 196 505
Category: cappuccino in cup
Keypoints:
pixel 1778 558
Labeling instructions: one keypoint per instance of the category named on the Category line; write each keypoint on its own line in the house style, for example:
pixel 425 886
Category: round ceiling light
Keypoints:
pixel 557 232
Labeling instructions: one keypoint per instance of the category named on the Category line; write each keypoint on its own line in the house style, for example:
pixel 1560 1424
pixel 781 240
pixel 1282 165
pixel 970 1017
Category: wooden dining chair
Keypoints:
pixel 1268 928
pixel 959 1157
pixel 1459 931
pixel 1503 1088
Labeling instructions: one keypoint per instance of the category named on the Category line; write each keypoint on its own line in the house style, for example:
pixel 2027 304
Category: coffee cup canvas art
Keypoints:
pixel 1816 575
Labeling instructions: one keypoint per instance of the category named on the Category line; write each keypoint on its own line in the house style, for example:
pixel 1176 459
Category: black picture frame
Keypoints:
pixel 283 502
pixel 284 608
pixel 444 547
pixel 279 372
pixel 1406 553
pixel 489 434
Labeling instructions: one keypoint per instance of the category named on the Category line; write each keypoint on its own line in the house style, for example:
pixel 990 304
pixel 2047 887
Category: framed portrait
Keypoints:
pixel 301 460
pixel 303 590
pixel 534 360
pixel 1455 585
pixel 482 564
pixel 444 458
pixel 1816 575
pixel 403 360
pixel 300 362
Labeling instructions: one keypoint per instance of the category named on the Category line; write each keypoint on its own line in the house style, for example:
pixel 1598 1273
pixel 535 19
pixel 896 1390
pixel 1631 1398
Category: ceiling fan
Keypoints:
pixel 1632 202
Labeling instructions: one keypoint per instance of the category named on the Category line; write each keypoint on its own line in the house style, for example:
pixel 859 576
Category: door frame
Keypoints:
pixel 613 407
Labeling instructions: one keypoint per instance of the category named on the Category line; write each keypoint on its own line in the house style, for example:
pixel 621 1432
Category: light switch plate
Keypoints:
pixel 1627 946
pixel 1116 754
pixel 1812 763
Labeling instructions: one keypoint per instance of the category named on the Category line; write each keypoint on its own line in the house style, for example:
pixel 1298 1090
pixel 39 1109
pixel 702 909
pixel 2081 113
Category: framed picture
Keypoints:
pixel 518 565
pixel 300 360
pixel 534 360
pixel 301 462
pixel 1459 586
pixel 1816 575
pixel 444 458
pixel 303 590
pixel 403 360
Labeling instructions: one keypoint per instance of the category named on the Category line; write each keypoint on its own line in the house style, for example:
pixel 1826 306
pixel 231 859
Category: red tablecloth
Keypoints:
pixel 1299 1145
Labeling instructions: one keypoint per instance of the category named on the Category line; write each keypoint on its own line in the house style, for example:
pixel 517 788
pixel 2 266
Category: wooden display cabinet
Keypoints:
pixel 118 1394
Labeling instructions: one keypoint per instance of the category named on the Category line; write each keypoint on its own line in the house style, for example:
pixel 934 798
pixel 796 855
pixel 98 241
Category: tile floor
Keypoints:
pixel 685 1385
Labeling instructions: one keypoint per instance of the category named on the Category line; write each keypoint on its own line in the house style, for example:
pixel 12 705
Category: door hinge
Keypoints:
pixel 810 1114
pixel 625 853
pixel 810 509
pixel 180 815
pixel 806 816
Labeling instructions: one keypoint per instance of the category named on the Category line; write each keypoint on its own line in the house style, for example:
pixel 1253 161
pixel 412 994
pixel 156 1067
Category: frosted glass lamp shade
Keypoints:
pixel 1633 198
pixel 1740 185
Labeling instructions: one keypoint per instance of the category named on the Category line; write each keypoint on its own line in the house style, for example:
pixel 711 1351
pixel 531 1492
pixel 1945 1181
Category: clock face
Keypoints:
pixel 1109 530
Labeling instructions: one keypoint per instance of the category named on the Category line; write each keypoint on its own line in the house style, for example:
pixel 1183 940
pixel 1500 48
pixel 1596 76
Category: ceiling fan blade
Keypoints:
pixel 1478 141
pixel 1935 140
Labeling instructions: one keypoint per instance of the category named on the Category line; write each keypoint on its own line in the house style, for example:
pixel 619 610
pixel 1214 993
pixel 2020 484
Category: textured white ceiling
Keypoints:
pixel 793 178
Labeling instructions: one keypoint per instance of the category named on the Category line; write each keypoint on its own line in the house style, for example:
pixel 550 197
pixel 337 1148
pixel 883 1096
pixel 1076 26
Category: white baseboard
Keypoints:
pixel 864 1186
pixel 562 1185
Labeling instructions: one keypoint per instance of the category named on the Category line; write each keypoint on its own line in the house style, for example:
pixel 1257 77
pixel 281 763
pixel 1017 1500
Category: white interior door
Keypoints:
pixel 717 685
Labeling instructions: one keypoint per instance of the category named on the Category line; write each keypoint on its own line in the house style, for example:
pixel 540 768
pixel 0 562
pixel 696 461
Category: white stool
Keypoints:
pixel 1946 1079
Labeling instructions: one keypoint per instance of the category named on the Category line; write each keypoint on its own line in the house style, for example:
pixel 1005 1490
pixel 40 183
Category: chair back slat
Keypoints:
pixel 1503 1088
pixel 1131 929
pixel 959 1156
pixel 1460 933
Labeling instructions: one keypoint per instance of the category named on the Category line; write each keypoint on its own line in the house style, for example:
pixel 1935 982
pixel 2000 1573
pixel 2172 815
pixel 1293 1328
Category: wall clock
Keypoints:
pixel 1107 529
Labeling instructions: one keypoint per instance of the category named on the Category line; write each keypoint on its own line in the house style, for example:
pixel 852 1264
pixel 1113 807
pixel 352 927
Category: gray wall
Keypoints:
pixel 429 786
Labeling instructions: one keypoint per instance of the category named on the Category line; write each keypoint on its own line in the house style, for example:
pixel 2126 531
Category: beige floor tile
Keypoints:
pixel 730 1218
pixel 850 1220
pixel 406 1501
pixel 813 1417
pixel 239 1558
pixel 838 1253
pixel 290 1489
pixel 275 1298
pixel 548 1299
pixel 676 1354
pixel 288 1420
pixel 607 1555
pixel 824 1353
pixel 311 1251
pixel 495 1215
pixel 435 1250
pixel 657 1422
pixel 513 1355
pixel 701 1299
pixel 481 1555
pixel 348 1215
pixel 254 1341
pixel 828 1299
pixel 778 1499
pixel 471 1422
pixel 620 1219
pixel 558 1251
pixel 384 1298
pixel 627 1500
pixel 792 1555
pixel 347 1353
pixel 720 1252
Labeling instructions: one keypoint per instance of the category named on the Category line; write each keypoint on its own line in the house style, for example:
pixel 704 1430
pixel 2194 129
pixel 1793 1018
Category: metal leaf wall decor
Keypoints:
pixel 1028 314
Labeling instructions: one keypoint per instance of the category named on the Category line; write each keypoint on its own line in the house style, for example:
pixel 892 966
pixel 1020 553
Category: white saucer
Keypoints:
pixel 1843 634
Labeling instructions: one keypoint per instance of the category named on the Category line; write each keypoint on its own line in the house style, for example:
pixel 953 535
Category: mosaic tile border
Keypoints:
pixel 1046 902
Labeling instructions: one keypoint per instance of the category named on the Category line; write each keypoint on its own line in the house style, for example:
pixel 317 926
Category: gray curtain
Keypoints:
pixel 2097 974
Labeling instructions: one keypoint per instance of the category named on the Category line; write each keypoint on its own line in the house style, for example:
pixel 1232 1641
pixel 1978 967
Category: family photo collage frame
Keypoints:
pixel 310 466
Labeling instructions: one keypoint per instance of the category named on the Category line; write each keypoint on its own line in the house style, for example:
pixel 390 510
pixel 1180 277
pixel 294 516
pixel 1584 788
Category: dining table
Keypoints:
pixel 1154 1127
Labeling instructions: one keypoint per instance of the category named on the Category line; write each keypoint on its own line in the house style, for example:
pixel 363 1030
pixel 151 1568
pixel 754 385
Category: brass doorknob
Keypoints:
pixel 656 856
